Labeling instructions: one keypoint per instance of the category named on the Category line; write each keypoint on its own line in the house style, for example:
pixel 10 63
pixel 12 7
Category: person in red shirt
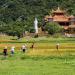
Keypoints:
pixel 32 46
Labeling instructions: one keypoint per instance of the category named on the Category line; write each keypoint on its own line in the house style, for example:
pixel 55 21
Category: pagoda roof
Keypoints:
pixel 65 27
pixel 72 16
pixel 50 16
pixel 60 18
pixel 71 26
pixel 46 17
pixel 58 11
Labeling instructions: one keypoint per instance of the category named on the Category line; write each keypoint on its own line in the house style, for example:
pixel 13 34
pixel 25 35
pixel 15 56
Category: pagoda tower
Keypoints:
pixel 58 16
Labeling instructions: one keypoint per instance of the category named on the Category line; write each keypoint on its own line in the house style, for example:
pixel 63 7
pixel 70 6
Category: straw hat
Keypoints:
pixel 5 47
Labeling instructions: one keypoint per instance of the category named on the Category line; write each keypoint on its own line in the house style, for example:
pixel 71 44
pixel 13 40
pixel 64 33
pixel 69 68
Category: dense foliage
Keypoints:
pixel 53 28
pixel 24 11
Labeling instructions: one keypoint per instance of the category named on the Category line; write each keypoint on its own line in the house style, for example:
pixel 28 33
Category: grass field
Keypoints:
pixel 44 59
pixel 23 65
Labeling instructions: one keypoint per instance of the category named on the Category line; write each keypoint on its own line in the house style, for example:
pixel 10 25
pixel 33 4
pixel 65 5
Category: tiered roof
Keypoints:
pixel 72 16
pixel 58 11
pixel 61 18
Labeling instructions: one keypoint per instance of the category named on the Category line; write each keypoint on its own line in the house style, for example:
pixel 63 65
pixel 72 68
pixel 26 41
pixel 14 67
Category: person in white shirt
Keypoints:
pixel 24 48
pixel 12 50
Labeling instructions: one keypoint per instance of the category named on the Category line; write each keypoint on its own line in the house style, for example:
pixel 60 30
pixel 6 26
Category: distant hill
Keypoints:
pixel 26 10
pixel 11 10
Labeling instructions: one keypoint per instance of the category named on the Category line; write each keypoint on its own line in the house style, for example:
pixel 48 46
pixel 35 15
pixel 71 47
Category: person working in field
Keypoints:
pixel 12 50
pixel 32 46
pixel 5 51
pixel 57 46
pixel 24 48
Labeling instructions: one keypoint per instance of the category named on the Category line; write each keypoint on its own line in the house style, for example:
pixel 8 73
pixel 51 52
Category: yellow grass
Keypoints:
pixel 42 48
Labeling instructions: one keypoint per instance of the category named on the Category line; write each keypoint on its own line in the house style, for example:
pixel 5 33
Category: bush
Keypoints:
pixel 57 35
pixel 53 28
pixel 32 30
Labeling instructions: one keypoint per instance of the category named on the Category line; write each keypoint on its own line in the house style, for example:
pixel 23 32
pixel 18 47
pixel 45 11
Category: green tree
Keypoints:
pixel 26 11
pixel 52 28
pixel 3 27
pixel 17 28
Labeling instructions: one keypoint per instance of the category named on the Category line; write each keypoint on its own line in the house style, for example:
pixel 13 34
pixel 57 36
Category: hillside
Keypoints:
pixel 24 12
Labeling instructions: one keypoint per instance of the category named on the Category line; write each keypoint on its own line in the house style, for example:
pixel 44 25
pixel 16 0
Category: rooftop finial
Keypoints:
pixel 52 10
pixel 58 8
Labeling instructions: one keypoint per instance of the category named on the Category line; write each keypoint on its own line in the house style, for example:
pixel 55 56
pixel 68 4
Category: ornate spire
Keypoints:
pixel 72 16
pixel 58 8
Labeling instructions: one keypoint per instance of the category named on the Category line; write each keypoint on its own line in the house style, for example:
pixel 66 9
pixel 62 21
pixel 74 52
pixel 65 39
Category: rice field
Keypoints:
pixel 43 59
pixel 42 48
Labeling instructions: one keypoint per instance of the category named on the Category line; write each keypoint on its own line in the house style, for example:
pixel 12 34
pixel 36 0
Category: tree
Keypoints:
pixel 27 10
pixel 3 27
pixel 17 28
pixel 52 27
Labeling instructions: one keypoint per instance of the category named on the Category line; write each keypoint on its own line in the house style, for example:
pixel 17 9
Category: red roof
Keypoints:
pixel 72 16
pixel 60 18
pixel 58 11
pixel 66 27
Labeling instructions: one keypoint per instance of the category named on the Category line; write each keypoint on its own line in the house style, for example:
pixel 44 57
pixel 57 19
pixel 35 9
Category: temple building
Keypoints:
pixel 61 17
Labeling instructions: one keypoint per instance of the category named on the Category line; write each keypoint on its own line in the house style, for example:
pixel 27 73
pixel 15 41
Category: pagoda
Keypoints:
pixel 61 17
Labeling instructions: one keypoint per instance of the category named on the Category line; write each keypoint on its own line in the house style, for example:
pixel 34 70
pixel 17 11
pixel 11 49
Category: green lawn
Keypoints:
pixel 23 65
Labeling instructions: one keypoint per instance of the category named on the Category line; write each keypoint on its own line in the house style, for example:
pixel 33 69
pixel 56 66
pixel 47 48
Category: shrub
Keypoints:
pixel 53 28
